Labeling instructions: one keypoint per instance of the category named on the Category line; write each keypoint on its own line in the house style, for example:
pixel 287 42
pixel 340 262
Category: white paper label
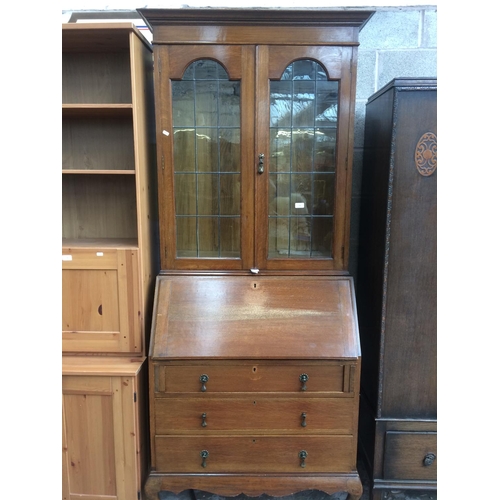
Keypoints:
pixel 67 257
pixel 300 205
pixel 165 133
pixel 100 254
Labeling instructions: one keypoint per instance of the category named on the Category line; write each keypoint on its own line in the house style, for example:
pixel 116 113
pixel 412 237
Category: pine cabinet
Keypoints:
pixel 109 222
pixel 109 258
pixel 254 133
pixel 105 438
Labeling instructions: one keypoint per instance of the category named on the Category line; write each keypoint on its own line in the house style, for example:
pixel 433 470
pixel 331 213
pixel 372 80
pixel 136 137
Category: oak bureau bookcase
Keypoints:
pixel 254 363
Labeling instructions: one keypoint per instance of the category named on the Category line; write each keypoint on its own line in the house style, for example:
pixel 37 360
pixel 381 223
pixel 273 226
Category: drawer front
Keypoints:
pixel 255 454
pixel 253 378
pixel 284 415
pixel 101 309
pixel 410 455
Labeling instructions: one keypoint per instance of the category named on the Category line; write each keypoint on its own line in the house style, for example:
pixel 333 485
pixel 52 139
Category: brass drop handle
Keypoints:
pixel 260 167
pixel 204 455
pixel 203 419
pixel 303 456
pixel 203 380
pixel 304 378
pixel 429 459
pixel 304 423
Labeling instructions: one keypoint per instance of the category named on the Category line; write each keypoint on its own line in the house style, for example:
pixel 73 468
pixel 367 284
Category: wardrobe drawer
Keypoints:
pixel 252 377
pixel 258 454
pixel 283 415
pixel 410 455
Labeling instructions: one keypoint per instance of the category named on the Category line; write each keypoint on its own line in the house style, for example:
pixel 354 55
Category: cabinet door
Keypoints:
pixel 205 144
pixel 100 452
pixel 254 168
pixel 100 300
pixel 304 112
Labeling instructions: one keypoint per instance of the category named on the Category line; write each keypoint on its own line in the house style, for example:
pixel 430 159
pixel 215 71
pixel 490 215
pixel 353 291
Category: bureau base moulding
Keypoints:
pixel 254 484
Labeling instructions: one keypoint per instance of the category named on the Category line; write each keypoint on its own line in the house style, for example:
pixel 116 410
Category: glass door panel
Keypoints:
pixel 207 165
pixel 302 169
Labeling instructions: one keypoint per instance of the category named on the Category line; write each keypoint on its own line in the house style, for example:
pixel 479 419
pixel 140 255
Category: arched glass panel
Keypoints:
pixel 206 123
pixel 303 137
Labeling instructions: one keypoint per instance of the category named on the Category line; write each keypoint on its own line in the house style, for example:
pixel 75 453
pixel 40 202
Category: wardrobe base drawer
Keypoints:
pixel 410 455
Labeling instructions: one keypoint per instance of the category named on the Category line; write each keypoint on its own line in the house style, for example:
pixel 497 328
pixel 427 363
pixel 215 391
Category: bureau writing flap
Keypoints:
pixel 249 317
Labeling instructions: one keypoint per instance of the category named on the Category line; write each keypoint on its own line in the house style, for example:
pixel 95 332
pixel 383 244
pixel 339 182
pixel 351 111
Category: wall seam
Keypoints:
pixel 421 29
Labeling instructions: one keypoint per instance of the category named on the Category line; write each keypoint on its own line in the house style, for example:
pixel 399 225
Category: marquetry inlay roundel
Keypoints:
pixel 426 154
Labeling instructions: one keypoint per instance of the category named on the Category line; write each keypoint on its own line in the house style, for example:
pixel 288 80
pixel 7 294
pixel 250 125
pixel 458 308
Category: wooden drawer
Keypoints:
pixel 100 301
pixel 405 455
pixel 281 415
pixel 254 377
pixel 258 454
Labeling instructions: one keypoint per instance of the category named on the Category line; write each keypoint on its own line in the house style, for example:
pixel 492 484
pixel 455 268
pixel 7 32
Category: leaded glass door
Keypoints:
pixel 210 221
pixel 302 149
pixel 253 145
